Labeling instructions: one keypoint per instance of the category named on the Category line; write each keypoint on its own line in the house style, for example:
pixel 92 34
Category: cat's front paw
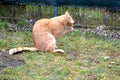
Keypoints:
pixel 59 51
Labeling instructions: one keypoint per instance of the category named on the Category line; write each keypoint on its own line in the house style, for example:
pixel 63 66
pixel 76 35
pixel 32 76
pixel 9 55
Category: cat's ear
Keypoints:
pixel 68 17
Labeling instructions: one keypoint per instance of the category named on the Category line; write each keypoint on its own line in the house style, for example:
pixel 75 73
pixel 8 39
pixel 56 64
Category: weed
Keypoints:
pixel 3 24
pixel 21 23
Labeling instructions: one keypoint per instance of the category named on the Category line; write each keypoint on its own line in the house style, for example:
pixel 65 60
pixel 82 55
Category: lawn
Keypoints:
pixel 86 57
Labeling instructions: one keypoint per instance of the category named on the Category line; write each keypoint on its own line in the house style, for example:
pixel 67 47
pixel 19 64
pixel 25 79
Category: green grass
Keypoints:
pixel 3 24
pixel 85 58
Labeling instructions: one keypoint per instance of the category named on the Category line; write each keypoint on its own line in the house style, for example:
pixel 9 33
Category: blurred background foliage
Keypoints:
pixel 90 17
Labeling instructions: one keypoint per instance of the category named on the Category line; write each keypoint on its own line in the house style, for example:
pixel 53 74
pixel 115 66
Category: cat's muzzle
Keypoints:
pixel 68 28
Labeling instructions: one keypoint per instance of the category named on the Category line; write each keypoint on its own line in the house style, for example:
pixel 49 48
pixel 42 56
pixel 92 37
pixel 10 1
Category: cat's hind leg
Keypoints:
pixel 51 45
pixel 58 51
pixel 52 48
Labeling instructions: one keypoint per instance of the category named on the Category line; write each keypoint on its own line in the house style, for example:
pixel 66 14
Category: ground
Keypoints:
pixel 86 57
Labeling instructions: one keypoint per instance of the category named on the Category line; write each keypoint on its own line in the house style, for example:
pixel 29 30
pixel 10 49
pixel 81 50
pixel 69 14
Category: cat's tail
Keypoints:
pixel 19 49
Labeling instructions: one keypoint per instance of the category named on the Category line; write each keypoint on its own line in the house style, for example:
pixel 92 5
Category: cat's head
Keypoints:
pixel 68 20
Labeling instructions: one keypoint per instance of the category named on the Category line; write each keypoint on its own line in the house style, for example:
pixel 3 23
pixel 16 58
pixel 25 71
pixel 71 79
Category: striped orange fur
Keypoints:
pixel 45 32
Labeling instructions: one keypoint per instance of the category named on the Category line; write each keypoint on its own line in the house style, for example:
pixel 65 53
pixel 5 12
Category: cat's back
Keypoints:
pixel 41 25
pixel 42 22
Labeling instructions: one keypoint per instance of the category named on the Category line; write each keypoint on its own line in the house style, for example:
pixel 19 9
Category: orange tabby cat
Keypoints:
pixel 45 32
